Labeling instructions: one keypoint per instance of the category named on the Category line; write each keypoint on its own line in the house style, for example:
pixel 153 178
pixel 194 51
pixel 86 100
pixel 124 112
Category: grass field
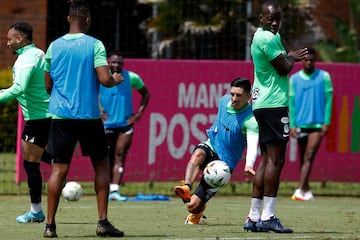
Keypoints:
pixel 324 218
pixel 335 214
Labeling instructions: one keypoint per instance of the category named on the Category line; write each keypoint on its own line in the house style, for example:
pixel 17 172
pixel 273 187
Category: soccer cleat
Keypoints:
pixel 273 224
pixel 250 225
pixel 196 219
pixel 31 217
pixel 115 196
pixel 50 232
pixel 108 230
pixel 308 196
pixel 298 195
pixel 183 192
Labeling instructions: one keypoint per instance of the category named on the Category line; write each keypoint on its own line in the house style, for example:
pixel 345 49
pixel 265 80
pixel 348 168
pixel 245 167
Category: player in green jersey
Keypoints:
pixel 29 89
pixel 272 64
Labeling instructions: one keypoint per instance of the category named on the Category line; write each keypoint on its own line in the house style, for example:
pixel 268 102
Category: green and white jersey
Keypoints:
pixel 270 90
pixel 29 84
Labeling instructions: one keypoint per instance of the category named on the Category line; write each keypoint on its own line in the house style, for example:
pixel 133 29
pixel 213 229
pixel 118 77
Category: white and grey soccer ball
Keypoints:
pixel 72 191
pixel 217 174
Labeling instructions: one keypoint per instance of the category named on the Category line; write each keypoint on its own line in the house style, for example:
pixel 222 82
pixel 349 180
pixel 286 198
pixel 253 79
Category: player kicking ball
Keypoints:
pixel 234 129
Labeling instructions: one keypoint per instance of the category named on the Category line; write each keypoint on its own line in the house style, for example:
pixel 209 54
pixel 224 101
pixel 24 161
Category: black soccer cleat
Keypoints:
pixel 50 231
pixel 108 230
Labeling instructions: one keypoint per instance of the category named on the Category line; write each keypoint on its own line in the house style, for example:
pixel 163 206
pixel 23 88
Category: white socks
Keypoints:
pixel 255 209
pixel 114 187
pixel 35 207
pixel 268 209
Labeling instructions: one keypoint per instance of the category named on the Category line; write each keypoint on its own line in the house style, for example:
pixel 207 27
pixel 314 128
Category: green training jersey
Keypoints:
pixel 29 84
pixel 270 90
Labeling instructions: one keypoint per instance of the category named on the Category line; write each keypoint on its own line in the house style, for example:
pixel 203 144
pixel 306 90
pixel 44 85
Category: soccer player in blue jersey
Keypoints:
pixel 272 64
pixel 310 106
pixel 29 89
pixel 75 66
pixel 234 129
pixel 119 119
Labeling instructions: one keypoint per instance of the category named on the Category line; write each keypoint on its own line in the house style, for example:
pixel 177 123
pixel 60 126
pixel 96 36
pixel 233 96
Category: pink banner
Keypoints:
pixel 184 95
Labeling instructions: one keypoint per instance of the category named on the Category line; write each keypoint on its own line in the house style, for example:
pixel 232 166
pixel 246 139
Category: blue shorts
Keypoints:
pixel 66 133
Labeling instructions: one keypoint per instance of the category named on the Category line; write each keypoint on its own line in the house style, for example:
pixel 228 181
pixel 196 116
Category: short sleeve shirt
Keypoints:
pixel 270 90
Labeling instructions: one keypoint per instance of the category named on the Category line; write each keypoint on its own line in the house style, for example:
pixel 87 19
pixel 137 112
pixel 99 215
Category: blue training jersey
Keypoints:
pixel 117 102
pixel 76 86
pixel 309 98
pixel 226 134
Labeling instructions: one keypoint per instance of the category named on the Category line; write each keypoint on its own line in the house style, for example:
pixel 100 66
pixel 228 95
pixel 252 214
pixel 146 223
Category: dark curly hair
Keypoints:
pixel 242 83
pixel 79 8
pixel 24 29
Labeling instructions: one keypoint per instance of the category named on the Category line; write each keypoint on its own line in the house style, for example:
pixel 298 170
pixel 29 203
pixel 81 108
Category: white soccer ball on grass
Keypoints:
pixel 217 174
pixel 72 191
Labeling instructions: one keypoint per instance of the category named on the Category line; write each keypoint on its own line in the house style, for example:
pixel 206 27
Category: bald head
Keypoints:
pixel 270 17
pixel 269 3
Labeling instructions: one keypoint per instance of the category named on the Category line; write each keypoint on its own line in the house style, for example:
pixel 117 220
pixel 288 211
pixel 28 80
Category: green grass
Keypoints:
pixel 9 187
pixel 335 214
pixel 233 189
pixel 324 218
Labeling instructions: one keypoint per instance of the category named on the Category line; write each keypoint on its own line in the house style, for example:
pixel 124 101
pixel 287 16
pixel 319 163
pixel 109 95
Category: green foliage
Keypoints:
pixel 8 116
pixel 346 49
pixel 173 13
pixel 5 78
pixel 194 29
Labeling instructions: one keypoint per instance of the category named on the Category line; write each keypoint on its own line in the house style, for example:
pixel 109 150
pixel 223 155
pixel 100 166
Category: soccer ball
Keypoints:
pixel 72 191
pixel 217 174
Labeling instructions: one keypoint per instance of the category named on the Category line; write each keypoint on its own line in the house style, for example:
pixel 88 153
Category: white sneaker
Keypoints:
pixel 308 196
pixel 298 195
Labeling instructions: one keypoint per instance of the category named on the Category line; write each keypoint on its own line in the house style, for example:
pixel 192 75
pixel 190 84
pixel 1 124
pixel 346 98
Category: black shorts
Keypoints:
pixel 65 133
pixel 273 125
pixel 204 191
pixel 37 131
pixel 210 154
pixel 113 133
pixel 303 133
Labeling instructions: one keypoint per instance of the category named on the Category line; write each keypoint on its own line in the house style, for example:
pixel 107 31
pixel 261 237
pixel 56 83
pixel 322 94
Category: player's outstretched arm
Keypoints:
pixel 252 141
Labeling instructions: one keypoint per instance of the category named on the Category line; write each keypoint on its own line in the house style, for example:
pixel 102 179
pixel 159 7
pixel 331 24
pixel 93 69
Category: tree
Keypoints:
pixel 208 29
pixel 346 49
pixel 8 116
pixel 204 29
